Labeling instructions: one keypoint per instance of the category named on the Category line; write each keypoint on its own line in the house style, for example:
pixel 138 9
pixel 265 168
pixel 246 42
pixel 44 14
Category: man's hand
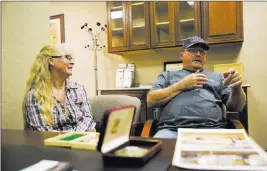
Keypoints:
pixel 194 80
pixel 237 98
pixel 232 78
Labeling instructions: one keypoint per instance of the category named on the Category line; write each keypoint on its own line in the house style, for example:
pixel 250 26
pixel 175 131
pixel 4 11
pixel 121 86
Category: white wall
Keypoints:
pixel 76 14
pixel 253 56
pixel 25 30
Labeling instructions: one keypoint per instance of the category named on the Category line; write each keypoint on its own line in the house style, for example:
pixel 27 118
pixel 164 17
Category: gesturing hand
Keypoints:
pixel 232 78
pixel 194 80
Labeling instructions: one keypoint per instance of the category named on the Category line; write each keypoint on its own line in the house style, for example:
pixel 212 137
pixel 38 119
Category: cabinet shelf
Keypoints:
pixel 187 23
pixel 117 29
pixel 162 23
pixel 138 3
pixel 139 26
pixel 187 20
pixel 116 8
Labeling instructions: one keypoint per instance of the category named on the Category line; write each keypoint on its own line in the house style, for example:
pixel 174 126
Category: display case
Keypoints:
pixel 115 144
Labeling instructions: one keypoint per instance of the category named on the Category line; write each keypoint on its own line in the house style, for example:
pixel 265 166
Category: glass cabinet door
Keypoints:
pixel 116 21
pixel 139 25
pixel 162 23
pixel 187 20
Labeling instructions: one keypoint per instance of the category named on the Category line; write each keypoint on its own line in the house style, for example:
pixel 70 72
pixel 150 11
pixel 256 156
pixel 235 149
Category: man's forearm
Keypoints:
pixel 237 100
pixel 160 97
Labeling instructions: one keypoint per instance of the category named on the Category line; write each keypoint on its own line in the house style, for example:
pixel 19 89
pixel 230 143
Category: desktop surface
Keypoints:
pixel 21 149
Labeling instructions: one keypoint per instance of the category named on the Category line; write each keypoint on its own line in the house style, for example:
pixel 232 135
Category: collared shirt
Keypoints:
pixel 76 115
pixel 195 108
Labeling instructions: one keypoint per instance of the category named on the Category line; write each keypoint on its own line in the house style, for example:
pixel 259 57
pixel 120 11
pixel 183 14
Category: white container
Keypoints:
pixel 127 80
pixel 132 68
pixel 120 78
pixel 123 66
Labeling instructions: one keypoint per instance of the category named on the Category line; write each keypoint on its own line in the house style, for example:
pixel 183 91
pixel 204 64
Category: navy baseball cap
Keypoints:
pixel 195 40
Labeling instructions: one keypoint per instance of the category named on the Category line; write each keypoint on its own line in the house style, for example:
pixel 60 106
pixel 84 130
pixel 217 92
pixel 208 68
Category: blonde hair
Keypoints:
pixel 40 80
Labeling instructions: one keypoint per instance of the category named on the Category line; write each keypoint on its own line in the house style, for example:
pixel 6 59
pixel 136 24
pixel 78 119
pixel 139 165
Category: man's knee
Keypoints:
pixel 165 133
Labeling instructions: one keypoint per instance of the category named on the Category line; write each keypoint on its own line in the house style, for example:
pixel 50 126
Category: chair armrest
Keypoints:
pixel 237 124
pixel 149 128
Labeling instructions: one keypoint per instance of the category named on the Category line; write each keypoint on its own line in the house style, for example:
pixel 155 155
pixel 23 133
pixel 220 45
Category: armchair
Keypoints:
pixel 150 126
pixel 101 103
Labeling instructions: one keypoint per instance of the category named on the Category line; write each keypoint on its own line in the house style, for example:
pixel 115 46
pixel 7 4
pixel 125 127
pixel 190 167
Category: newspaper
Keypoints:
pixel 218 149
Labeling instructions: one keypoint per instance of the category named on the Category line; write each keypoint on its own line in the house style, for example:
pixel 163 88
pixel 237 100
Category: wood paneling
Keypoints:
pixel 222 22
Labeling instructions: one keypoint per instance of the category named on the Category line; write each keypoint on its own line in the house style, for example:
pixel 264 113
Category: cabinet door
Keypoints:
pixel 117 33
pixel 138 23
pixel 222 21
pixel 162 24
pixel 187 20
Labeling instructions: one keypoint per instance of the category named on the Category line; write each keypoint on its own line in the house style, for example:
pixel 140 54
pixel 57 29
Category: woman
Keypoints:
pixel 52 102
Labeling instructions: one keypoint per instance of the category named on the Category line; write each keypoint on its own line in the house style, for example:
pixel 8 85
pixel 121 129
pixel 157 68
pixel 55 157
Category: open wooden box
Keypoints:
pixel 79 140
pixel 115 144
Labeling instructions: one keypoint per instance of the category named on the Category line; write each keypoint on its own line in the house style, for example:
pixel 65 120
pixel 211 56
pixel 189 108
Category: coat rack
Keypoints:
pixel 97 45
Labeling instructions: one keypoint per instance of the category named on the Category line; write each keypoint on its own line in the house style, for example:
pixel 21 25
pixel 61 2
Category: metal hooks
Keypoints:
pixel 97 43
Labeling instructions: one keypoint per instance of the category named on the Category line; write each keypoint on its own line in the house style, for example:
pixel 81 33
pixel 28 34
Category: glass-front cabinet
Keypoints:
pixel 138 22
pixel 162 23
pixel 187 20
pixel 150 25
pixel 117 26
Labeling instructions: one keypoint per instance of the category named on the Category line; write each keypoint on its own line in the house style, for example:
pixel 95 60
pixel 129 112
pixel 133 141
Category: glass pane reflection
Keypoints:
pixel 138 23
pixel 162 22
pixel 117 25
pixel 186 19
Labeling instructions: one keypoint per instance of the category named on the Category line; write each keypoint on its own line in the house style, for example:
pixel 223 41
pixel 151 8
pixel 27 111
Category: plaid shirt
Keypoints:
pixel 76 116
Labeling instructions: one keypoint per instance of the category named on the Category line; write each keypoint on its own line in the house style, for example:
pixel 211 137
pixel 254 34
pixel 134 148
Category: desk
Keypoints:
pixel 24 148
pixel 21 149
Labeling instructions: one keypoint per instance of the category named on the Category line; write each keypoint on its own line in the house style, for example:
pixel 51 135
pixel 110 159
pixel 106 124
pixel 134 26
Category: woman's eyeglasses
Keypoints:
pixel 68 57
pixel 196 50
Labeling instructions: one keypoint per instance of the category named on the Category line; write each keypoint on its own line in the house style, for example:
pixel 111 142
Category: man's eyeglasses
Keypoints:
pixel 196 50
pixel 68 57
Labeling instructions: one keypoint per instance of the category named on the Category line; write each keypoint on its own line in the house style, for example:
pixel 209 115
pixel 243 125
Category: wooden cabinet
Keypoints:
pixel 162 24
pixel 222 22
pixel 138 25
pixel 150 25
pixel 117 28
pixel 128 26
pixel 187 20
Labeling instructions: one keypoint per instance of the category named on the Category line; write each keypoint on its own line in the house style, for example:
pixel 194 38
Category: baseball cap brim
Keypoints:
pixel 203 45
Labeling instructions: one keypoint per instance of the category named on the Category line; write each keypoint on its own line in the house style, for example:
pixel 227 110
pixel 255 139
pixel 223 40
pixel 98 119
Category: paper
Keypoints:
pixel 42 165
pixel 218 149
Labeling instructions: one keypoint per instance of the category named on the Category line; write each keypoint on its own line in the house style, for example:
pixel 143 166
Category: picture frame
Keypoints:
pixel 57 30
pixel 173 65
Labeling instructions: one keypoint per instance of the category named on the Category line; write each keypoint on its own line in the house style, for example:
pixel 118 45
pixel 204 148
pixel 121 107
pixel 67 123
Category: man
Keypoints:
pixel 193 98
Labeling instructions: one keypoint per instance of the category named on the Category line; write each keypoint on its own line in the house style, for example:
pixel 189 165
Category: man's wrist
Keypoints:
pixel 237 90
pixel 180 85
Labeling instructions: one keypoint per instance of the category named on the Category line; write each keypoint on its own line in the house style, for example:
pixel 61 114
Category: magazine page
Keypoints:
pixel 218 149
